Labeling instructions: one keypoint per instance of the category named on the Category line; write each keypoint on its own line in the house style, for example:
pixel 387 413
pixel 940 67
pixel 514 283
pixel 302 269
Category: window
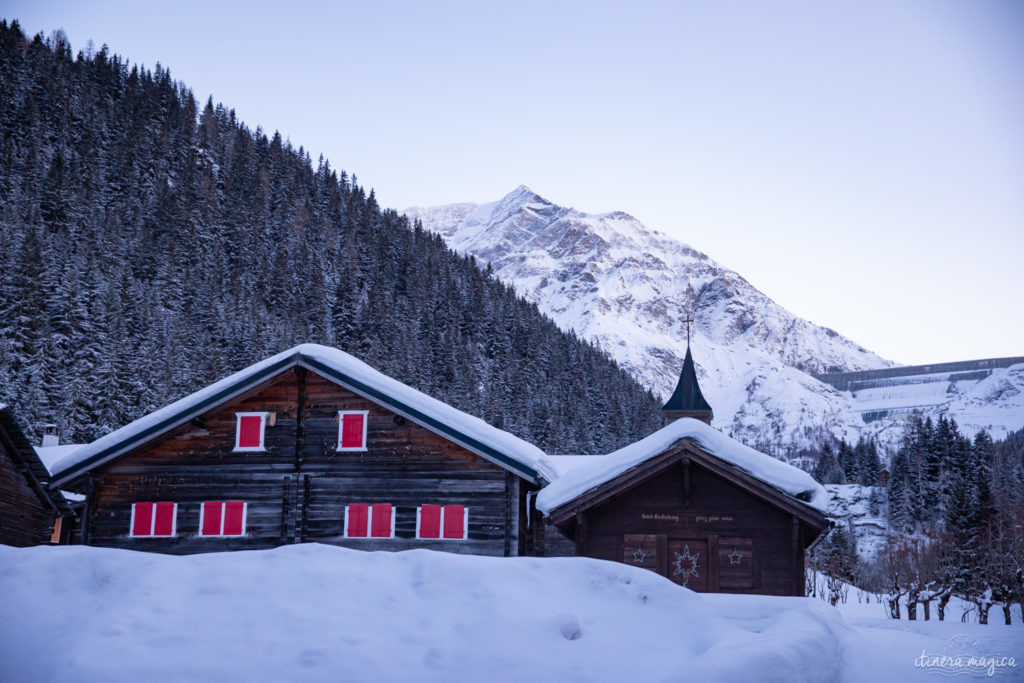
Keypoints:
pixel 352 430
pixel 222 518
pixel 442 521
pixel 249 431
pixel 154 519
pixel 373 521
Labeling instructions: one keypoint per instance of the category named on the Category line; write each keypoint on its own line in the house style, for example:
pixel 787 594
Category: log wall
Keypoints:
pixel 25 520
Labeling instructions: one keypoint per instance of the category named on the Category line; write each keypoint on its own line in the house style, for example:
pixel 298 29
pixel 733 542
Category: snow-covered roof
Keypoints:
pixel 564 463
pixel 489 442
pixel 53 454
pixel 586 476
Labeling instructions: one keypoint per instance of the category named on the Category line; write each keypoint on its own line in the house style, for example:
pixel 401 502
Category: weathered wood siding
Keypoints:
pixel 721 518
pixel 24 519
pixel 297 490
pixel 557 544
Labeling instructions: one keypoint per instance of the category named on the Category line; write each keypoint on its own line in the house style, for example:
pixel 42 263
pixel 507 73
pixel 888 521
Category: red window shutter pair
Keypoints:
pixel 374 521
pixel 442 521
pixel 153 519
pixel 351 430
pixel 223 518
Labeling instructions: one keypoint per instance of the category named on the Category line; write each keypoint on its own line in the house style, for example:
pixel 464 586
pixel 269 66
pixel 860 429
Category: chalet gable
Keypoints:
pixel 490 443
pixel 686 439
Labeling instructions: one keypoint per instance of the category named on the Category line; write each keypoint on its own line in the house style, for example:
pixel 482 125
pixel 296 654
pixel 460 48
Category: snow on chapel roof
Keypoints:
pixel 587 476
pixel 479 437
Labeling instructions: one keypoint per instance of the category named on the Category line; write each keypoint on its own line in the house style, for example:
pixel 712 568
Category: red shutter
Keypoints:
pixel 356 522
pixel 249 431
pixel 381 520
pixel 234 517
pixel 164 525
pixel 430 521
pixel 454 521
pixel 143 524
pixel 352 430
pixel 211 519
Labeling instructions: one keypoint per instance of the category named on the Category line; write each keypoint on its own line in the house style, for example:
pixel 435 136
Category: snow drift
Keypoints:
pixel 315 612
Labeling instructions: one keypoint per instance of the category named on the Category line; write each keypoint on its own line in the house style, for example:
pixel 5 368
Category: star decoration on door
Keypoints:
pixel 639 555
pixel 686 564
pixel 735 556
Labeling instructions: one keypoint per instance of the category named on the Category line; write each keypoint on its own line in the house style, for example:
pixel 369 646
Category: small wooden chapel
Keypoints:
pixel 693 505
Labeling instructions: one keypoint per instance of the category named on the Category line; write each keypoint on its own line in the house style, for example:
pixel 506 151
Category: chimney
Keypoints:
pixel 51 435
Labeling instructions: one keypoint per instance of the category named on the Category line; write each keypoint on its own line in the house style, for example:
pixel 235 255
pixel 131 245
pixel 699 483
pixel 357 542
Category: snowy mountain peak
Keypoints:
pixel 628 289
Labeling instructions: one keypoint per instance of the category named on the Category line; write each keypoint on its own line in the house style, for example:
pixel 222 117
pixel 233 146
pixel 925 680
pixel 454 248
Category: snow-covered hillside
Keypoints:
pixel 977 394
pixel 628 289
pixel 321 613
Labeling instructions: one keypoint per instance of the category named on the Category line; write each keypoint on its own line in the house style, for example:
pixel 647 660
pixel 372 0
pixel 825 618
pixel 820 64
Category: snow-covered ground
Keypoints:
pixel 315 612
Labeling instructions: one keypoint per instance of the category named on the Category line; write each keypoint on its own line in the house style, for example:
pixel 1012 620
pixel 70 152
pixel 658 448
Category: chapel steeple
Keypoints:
pixel 687 400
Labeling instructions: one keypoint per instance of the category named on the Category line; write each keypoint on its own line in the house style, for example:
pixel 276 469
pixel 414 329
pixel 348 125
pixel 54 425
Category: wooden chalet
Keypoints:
pixel 308 445
pixel 30 513
pixel 693 505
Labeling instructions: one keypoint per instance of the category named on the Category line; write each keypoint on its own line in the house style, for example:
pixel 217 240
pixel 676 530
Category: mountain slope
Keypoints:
pixel 629 289
pixel 150 246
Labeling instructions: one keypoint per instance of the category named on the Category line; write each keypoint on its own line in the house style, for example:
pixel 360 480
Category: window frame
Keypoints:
pixel 262 448
pixel 341 427
pixel 223 518
pixel 440 528
pixel 369 522
pixel 152 521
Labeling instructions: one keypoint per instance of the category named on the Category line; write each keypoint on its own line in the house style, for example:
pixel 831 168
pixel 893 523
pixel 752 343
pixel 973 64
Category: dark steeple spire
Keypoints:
pixel 687 401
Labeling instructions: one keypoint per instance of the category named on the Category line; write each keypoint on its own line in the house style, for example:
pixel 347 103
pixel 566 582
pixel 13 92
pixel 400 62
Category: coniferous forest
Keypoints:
pixel 150 245
pixel 954 511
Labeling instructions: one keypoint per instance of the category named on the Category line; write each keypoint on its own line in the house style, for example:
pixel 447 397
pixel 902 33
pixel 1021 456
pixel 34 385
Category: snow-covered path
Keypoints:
pixel 315 612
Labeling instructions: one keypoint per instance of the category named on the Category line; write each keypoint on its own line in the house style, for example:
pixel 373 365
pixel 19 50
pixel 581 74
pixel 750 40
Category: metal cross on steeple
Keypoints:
pixel 687 320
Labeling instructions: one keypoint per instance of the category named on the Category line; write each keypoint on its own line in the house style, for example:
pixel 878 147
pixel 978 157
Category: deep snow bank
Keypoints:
pixel 315 612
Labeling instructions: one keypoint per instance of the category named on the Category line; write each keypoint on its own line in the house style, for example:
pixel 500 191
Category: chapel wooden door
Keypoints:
pixel 688 563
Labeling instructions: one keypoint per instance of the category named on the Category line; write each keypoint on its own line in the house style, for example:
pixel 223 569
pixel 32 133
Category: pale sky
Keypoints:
pixel 862 163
